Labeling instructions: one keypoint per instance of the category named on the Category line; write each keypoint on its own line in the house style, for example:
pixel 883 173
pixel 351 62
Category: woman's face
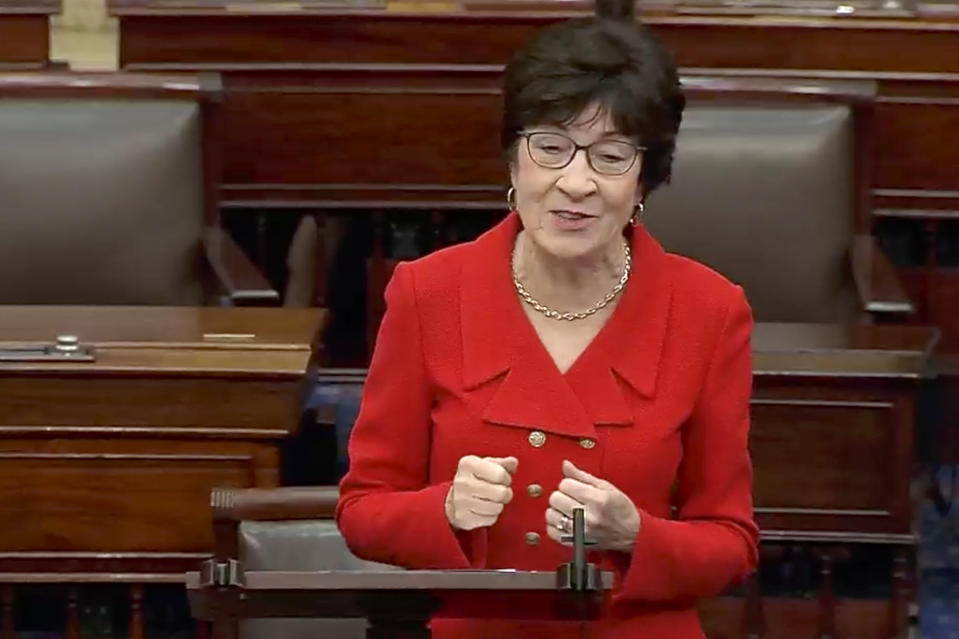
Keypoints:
pixel 575 211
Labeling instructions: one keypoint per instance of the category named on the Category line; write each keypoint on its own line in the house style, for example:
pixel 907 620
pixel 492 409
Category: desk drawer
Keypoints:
pixel 127 496
pixel 834 459
pixel 179 402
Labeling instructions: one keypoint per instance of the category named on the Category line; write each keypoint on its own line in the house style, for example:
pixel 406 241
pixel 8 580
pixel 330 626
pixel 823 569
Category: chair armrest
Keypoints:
pixel 242 281
pixel 273 504
pixel 879 288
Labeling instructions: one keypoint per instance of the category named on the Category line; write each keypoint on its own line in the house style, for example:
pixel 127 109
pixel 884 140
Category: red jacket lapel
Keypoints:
pixel 500 346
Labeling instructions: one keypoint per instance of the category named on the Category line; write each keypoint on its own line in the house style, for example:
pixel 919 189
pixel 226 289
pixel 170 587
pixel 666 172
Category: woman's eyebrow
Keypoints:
pixel 604 136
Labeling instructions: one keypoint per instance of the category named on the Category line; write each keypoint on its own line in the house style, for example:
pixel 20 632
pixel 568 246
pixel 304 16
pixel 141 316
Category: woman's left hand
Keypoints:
pixel 612 520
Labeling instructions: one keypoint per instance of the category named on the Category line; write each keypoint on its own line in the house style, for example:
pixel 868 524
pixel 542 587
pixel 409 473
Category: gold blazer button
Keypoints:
pixel 587 443
pixel 537 438
pixel 534 490
pixel 532 538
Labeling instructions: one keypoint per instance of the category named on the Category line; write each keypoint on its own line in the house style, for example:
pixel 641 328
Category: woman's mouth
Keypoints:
pixel 571 220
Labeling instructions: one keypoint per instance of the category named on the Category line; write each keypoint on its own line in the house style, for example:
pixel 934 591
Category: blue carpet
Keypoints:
pixel 939 561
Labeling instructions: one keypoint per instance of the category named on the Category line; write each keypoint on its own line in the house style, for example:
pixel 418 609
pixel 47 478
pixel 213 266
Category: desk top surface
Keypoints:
pixel 839 350
pixel 257 340
pixel 166 339
pixel 821 12
pixel 42 7
pixel 771 337
pixel 413 594
pixel 397 580
pixel 263 327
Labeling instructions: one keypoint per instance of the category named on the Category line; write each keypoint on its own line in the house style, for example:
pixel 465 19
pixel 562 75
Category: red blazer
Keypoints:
pixel 658 404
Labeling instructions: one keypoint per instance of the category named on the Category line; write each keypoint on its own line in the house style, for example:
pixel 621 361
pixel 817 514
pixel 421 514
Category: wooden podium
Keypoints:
pixel 116 422
pixel 397 605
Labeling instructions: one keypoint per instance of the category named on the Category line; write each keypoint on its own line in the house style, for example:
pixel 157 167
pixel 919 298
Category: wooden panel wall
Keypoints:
pixel 25 33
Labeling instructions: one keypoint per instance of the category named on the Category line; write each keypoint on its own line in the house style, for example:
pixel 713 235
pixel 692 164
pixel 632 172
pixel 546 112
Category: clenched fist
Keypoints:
pixel 612 520
pixel 480 490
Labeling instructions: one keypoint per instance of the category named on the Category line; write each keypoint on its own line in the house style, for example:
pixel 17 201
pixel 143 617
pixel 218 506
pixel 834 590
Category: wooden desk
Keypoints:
pixel 397 604
pixel 106 466
pixel 833 448
pixel 833 430
pixel 25 33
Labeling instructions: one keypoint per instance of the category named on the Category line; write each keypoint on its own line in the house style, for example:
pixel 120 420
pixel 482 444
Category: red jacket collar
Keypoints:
pixel 498 338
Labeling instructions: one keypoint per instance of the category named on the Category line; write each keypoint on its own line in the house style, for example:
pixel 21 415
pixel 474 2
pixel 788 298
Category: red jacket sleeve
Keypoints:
pixel 387 510
pixel 713 541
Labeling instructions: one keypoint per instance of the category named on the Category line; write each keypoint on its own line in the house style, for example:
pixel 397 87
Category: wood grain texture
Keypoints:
pixel 879 288
pixel 797 618
pixel 833 454
pixel 393 597
pixel 333 146
pixel 25 33
pixel 152 502
pixel 39 7
pixel 288 503
pixel 244 284
pixel 943 305
pixel 199 399
pixel 843 441
pixel 907 152
pixel 24 40
pixel 108 469
pixel 165 327
pixel 493 36
pixel 911 153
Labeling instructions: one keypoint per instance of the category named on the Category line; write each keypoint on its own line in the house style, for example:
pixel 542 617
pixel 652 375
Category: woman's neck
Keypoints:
pixel 564 284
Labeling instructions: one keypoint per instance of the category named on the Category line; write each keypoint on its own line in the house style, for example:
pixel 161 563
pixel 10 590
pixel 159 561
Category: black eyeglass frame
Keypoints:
pixel 577 148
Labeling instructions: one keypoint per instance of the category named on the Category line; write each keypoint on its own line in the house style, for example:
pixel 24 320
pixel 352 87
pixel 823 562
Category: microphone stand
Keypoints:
pixel 579 575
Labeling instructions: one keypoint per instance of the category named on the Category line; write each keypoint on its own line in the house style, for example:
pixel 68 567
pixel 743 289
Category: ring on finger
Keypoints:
pixel 565 523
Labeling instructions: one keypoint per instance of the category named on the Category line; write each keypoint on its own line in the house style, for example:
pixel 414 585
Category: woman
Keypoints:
pixel 563 360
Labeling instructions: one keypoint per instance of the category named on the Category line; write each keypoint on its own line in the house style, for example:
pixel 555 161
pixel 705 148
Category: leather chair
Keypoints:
pixel 286 529
pixel 770 188
pixel 109 193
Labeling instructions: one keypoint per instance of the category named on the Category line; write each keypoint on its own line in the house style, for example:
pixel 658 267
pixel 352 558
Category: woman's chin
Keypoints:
pixel 570 247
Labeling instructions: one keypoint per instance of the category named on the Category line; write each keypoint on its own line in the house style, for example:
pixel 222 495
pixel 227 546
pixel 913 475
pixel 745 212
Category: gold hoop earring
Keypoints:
pixel 638 211
pixel 511 198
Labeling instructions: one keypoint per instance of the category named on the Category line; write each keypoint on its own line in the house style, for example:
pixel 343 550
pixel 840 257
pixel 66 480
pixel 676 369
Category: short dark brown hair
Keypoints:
pixel 610 60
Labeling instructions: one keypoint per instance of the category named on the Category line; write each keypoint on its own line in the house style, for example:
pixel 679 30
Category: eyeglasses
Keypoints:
pixel 555 151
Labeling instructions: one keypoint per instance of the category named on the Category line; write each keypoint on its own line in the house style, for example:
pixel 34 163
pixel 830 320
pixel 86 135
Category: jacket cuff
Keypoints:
pixel 464 548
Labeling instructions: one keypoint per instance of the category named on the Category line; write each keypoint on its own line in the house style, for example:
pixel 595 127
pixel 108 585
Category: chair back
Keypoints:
pixel 106 188
pixel 766 190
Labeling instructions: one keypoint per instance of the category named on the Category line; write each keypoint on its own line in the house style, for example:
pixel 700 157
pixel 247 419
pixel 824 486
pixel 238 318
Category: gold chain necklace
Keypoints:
pixel 548 312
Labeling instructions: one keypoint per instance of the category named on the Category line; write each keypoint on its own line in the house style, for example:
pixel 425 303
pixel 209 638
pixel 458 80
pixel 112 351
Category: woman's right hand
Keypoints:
pixel 480 490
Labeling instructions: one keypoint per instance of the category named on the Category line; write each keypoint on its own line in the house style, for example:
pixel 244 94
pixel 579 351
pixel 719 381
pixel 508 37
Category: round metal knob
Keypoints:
pixel 68 343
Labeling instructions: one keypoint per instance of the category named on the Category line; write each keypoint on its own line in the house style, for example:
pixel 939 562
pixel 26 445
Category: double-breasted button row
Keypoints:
pixel 537 439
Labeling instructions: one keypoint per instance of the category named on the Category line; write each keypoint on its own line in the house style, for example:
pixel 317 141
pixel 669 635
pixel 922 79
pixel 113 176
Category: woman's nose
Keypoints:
pixel 578 179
